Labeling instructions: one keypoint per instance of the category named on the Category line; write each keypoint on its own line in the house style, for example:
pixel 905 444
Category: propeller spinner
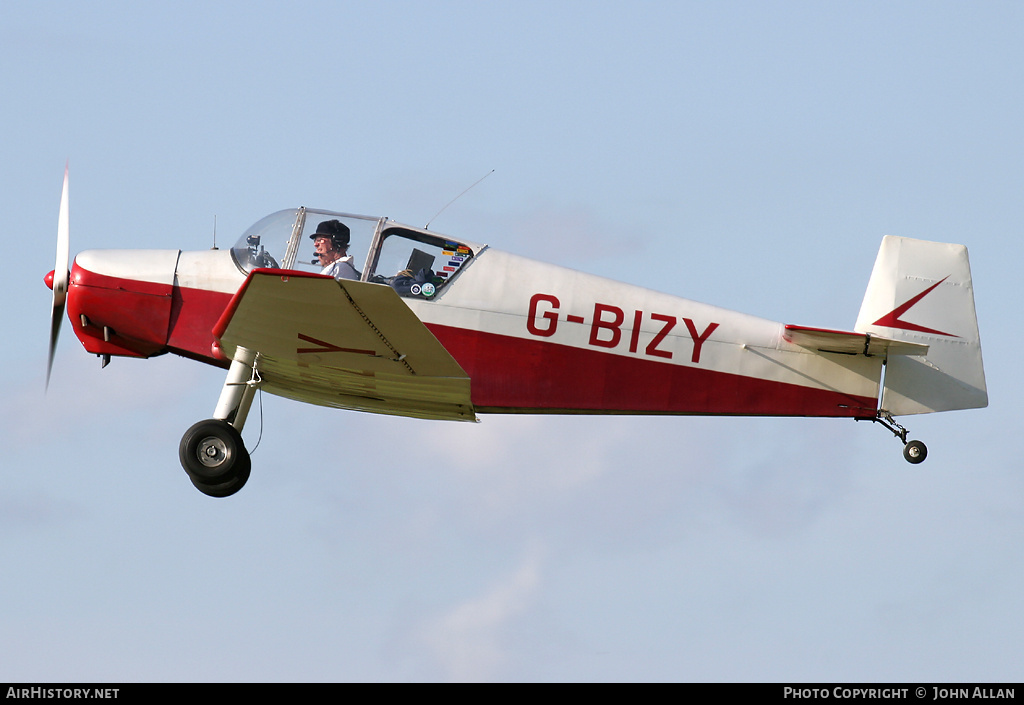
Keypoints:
pixel 58 278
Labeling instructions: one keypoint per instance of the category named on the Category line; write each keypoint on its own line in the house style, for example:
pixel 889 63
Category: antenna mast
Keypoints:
pixel 427 226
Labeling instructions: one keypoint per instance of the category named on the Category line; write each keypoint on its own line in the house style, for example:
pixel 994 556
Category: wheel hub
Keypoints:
pixel 212 451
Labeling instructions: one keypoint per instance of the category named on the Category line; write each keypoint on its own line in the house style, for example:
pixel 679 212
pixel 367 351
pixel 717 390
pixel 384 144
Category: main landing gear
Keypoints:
pixel 212 452
pixel 913 451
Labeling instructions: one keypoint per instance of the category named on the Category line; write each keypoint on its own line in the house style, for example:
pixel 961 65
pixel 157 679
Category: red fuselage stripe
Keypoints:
pixel 510 373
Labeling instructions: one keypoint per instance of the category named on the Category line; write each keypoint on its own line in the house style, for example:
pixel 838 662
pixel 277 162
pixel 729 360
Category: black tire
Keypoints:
pixel 915 452
pixel 212 453
pixel 228 488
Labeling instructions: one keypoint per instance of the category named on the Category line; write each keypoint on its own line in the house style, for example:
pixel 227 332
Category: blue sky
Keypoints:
pixel 750 155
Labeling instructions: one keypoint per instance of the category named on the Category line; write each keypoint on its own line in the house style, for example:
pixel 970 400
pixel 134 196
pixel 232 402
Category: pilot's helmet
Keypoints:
pixel 334 229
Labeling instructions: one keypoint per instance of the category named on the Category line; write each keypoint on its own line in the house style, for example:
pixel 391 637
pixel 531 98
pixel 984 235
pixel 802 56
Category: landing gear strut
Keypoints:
pixel 914 451
pixel 212 452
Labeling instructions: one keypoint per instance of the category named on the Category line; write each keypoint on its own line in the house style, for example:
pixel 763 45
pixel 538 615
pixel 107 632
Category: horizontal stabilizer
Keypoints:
pixel 850 343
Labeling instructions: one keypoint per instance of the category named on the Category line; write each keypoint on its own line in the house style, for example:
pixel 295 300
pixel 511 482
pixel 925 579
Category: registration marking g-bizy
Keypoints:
pixel 606 326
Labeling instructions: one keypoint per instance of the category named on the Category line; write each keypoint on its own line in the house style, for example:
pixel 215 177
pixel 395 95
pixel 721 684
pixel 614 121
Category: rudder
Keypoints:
pixel 921 292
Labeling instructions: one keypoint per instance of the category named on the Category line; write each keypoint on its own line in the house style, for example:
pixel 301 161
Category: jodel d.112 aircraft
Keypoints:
pixel 435 327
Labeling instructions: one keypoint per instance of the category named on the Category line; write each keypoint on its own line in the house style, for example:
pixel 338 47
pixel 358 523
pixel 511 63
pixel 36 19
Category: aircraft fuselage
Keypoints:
pixel 532 337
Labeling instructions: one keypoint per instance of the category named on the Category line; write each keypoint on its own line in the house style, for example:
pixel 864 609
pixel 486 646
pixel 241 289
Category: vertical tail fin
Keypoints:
pixel 921 292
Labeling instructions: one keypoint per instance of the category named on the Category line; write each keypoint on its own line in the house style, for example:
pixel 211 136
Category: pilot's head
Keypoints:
pixel 330 241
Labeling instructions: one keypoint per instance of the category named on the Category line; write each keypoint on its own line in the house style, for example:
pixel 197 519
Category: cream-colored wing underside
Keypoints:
pixel 344 344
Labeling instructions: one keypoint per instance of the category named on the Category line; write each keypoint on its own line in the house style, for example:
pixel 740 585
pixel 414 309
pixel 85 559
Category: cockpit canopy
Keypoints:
pixel 417 263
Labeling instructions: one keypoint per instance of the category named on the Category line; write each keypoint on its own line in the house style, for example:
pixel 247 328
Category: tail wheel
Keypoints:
pixel 915 452
pixel 215 458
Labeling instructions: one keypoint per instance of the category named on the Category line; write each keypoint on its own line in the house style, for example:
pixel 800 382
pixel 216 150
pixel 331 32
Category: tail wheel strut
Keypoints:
pixel 913 451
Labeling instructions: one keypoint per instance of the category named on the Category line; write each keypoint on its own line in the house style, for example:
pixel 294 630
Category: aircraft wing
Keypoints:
pixel 850 343
pixel 344 344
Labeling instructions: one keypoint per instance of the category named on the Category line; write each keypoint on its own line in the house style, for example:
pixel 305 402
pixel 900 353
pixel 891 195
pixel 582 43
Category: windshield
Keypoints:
pixel 415 263
pixel 287 240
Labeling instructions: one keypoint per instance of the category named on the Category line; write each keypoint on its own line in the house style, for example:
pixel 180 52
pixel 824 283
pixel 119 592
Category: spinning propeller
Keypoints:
pixel 58 278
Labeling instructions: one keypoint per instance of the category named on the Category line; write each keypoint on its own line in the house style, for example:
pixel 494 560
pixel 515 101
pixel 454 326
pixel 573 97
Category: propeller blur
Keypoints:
pixel 58 278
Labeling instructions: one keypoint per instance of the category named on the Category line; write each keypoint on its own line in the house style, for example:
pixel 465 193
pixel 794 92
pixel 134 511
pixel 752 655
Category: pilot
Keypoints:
pixel 330 243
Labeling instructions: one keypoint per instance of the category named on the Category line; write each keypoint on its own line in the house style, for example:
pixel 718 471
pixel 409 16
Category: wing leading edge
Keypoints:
pixel 343 344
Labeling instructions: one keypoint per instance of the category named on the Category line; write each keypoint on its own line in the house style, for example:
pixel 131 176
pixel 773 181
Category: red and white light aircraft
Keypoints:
pixel 444 328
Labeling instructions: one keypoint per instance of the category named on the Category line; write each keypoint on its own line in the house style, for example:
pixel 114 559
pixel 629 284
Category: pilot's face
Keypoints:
pixel 324 248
